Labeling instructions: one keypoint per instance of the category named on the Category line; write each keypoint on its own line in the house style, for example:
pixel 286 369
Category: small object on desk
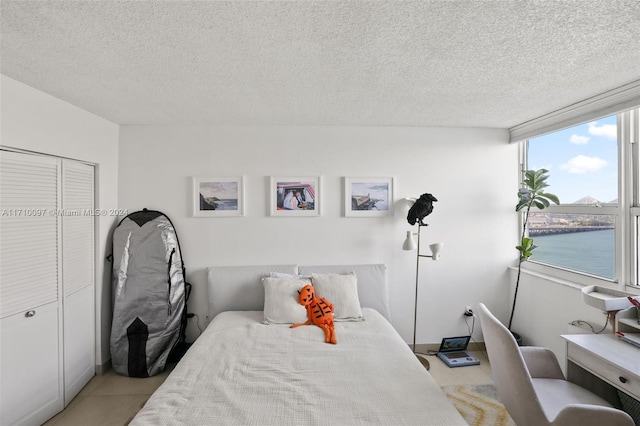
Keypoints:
pixel 633 338
pixel 635 303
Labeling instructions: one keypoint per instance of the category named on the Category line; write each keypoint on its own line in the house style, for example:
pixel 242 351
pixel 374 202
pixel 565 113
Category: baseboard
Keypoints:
pixel 101 370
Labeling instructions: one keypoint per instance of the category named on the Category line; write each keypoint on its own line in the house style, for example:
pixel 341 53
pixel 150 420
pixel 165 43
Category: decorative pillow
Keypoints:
pixel 281 301
pixel 342 292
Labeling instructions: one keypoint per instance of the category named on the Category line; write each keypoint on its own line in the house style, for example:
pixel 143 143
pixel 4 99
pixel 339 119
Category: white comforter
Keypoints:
pixel 243 372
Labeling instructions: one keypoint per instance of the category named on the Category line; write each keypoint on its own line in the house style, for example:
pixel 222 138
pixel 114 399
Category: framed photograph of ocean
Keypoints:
pixel 218 197
pixel 368 197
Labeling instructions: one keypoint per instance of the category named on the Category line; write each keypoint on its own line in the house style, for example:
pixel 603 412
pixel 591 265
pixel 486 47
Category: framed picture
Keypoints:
pixel 294 196
pixel 218 197
pixel 368 197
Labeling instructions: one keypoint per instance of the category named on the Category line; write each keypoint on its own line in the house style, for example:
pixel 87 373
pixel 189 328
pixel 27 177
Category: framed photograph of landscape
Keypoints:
pixel 294 196
pixel 368 197
pixel 218 197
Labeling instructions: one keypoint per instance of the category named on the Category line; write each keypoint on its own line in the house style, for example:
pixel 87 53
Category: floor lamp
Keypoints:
pixel 411 244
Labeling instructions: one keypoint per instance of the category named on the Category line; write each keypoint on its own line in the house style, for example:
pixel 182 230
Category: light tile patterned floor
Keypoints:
pixel 113 400
pixel 110 399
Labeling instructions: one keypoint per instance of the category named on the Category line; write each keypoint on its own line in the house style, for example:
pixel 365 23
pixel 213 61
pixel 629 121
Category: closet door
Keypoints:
pixel 78 276
pixel 30 342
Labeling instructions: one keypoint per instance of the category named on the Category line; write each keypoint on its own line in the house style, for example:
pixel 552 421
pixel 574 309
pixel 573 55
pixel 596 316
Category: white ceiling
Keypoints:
pixel 382 63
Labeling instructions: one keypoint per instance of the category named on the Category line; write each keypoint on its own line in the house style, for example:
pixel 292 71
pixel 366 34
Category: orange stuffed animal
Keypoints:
pixel 319 312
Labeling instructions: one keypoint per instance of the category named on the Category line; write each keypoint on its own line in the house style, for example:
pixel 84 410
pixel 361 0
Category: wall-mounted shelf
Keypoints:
pixel 605 299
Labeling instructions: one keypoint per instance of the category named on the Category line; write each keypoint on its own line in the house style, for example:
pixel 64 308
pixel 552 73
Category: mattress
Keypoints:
pixel 243 372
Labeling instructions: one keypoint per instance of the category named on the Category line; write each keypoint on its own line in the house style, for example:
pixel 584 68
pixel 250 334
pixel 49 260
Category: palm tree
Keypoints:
pixel 530 194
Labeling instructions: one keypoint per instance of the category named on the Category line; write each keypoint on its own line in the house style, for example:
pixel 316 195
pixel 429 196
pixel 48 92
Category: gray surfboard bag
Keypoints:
pixel 149 294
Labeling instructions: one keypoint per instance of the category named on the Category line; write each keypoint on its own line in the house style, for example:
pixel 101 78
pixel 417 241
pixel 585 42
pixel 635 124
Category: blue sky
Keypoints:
pixel 582 160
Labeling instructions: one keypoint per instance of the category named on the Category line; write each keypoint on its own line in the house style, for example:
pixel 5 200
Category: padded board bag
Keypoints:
pixel 149 294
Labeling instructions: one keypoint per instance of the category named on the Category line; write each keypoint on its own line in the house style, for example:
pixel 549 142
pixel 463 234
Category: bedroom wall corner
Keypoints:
pixel 35 121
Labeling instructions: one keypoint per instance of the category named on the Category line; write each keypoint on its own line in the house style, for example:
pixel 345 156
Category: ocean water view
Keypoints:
pixel 227 204
pixel 591 252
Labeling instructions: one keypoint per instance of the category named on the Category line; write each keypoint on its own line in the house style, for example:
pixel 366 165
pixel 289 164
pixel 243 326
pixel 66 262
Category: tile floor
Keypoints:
pixel 108 400
pixel 113 400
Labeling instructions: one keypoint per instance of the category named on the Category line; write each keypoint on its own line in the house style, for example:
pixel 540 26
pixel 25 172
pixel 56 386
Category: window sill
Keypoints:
pixel 566 278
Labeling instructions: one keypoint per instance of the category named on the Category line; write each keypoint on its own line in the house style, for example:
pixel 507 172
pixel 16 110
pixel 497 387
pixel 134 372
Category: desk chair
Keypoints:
pixel 532 387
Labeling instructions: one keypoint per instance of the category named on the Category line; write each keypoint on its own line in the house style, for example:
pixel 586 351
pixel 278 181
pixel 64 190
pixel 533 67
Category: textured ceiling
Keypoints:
pixel 383 63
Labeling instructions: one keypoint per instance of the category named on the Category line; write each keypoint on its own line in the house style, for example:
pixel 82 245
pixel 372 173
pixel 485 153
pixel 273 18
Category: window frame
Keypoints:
pixel 626 212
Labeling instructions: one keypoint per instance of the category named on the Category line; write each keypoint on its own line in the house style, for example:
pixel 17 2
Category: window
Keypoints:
pixel 579 242
pixel 583 161
pixel 593 169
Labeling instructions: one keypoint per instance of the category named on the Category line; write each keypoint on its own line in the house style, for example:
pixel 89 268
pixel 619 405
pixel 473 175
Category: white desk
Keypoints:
pixel 608 358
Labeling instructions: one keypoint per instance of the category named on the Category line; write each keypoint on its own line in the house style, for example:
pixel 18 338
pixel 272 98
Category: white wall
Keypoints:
pixel 544 309
pixel 472 172
pixel 35 121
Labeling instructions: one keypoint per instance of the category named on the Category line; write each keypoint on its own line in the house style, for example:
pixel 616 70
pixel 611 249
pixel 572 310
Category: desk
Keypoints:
pixel 606 357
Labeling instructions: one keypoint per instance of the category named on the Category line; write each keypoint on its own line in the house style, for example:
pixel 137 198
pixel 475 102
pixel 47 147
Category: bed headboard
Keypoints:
pixel 239 288
pixel 372 283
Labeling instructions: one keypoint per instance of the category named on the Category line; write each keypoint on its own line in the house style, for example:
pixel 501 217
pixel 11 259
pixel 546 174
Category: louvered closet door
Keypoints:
pixel 78 276
pixel 30 350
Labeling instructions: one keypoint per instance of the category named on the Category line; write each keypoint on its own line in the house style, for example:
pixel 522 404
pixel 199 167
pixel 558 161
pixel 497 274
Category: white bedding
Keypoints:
pixel 243 372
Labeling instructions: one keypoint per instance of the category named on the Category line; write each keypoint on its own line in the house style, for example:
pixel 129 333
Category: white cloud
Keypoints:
pixel 607 130
pixel 583 164
pixel 579 140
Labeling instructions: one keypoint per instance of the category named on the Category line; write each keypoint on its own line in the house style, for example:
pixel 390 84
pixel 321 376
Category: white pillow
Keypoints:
pixel 342 292
pixel 281 301
pixel 289 276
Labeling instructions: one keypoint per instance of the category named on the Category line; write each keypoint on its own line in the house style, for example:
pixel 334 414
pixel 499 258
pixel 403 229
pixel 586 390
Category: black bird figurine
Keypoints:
pixel 421 209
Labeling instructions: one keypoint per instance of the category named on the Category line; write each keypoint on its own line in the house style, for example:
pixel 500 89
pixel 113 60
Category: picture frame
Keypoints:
pixel 294 196
pixel 218 196
pixel 368 196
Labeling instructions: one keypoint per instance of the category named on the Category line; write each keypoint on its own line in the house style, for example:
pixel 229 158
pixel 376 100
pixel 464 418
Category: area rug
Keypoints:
pixel 479 404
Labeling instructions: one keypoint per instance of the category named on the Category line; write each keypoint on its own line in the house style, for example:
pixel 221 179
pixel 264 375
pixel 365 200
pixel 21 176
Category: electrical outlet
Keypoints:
pixel 468 312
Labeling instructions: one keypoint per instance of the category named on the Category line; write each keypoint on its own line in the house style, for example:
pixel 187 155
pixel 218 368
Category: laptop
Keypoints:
pixel 453 351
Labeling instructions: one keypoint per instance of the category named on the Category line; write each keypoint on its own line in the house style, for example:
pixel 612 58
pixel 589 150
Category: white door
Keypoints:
pixel 78 276
pixel 30 340
pixel 47 304
pixel 30 388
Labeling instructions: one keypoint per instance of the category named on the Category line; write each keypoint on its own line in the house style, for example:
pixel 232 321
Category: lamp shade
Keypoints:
pixel 436 248
pixel 409 242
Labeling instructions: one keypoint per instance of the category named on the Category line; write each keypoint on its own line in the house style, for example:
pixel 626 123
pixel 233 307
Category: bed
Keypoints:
pixel 250 368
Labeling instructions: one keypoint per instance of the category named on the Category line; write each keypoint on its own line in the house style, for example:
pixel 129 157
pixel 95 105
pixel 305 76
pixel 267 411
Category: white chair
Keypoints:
pixel 532 387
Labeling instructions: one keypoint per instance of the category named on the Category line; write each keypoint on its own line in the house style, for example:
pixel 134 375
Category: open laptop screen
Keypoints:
pixel 453 352
pixel 452 344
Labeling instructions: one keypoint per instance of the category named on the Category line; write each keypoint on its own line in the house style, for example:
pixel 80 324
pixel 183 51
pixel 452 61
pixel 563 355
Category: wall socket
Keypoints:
pixel 468 312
